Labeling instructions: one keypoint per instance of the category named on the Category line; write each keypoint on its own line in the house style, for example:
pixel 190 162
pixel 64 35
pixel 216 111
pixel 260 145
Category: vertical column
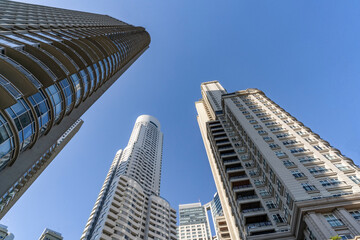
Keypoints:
pixel 319 227
pixel 348 220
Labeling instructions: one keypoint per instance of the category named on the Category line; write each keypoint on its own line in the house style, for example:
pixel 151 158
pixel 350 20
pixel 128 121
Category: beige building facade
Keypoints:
pixel 275 177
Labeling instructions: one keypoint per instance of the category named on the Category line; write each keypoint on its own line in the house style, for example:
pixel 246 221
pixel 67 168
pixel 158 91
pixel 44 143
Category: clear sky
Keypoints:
pixel 305 55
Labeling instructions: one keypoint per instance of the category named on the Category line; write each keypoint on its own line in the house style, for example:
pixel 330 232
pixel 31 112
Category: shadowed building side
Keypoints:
pixel 54 64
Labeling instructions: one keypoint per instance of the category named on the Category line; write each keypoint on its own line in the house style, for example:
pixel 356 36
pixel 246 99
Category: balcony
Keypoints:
pixel 234 178
pixel 246 197
pixel 233 169
pixel 256 228
pixel 227 154
pixel 231 161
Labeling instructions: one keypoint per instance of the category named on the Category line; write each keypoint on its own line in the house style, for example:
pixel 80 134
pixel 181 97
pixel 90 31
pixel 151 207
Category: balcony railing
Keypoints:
pixel 259 224
pixel 247 197
pixel 253 210
pixel 242 187
pixel 234 168
pixel 238 177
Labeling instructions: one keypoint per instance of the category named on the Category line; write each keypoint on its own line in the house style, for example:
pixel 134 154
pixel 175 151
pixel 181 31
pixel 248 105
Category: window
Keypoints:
pixel 257 126
pixel 307 159
pixel 330 182
pixel 267 139
pixel 333 221
pixel 342 167
pixel 297 174
pixel 282 135
pixel 280 154
pixel 274 146
pixel 288 163
pixel 355 214
pixel 42 109
pixel 278 218
pixel 346 236
pixel 318 170
pixel 308 187
pixel 355 179
pixel 21 114
pixel 6 142
pixel 56 99
pixel 290 142
pixel 298 150
pixel 252 121
pixel 264 192
pixel 329 156
pixel 270 204
pixel 262 132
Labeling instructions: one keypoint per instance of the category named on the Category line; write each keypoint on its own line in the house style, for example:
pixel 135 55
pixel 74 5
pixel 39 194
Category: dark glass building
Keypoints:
pixel 54 64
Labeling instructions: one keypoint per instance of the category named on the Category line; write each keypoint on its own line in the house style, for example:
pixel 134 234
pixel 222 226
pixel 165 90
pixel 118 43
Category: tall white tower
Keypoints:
pixel 141 159
pixel 129 205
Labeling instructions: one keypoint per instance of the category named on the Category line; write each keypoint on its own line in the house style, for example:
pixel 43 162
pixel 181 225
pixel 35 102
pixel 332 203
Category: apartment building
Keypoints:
pixel 275 177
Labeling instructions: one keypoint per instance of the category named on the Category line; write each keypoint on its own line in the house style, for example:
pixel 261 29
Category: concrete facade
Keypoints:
pixel 275 177
pixel 54 64
pixel 129 205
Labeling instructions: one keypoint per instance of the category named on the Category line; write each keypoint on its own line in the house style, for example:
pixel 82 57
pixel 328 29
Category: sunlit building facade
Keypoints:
pixel 49 234
pixel 54 64
pixel 193 222
pixel 275 177
pixel 129 205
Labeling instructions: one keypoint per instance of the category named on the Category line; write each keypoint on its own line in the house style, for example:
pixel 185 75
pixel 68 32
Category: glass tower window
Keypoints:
pixel 42 110
pixel 76 82
pixel 65 85
pixel 6 142
pixel 110 64
pixel 102 70
pixel 97 72
pixel 84 77
pixel 92 78
pixel 106 68
pixel 24 121
pixel 56 100
pixel 114 62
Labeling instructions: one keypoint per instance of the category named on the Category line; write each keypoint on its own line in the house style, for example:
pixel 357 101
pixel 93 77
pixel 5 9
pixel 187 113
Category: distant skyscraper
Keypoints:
pixel 49 234
pixel 4 234
pixel 276 178
pixel 194 222
pixel 129 205
pixel 221 229
pixel 54 64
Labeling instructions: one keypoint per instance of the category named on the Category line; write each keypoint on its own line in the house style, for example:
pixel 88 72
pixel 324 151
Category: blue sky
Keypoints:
pixel 302 54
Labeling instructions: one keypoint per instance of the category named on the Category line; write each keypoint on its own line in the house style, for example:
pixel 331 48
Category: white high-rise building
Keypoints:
pixel 129 205
pixel 275 177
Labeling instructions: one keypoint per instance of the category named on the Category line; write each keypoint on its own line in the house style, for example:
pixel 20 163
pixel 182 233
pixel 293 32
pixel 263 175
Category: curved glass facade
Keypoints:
pixel 42 110
pixel 56 100
pixel 97 73
pixel 76 82
pixel 6 142
pixel 24 120
pixel 66 88
pixel 84 78
pixel 92 78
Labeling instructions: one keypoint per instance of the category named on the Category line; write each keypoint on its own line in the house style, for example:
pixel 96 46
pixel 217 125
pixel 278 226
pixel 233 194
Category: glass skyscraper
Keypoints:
pixel 54 64
pixel 193 222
